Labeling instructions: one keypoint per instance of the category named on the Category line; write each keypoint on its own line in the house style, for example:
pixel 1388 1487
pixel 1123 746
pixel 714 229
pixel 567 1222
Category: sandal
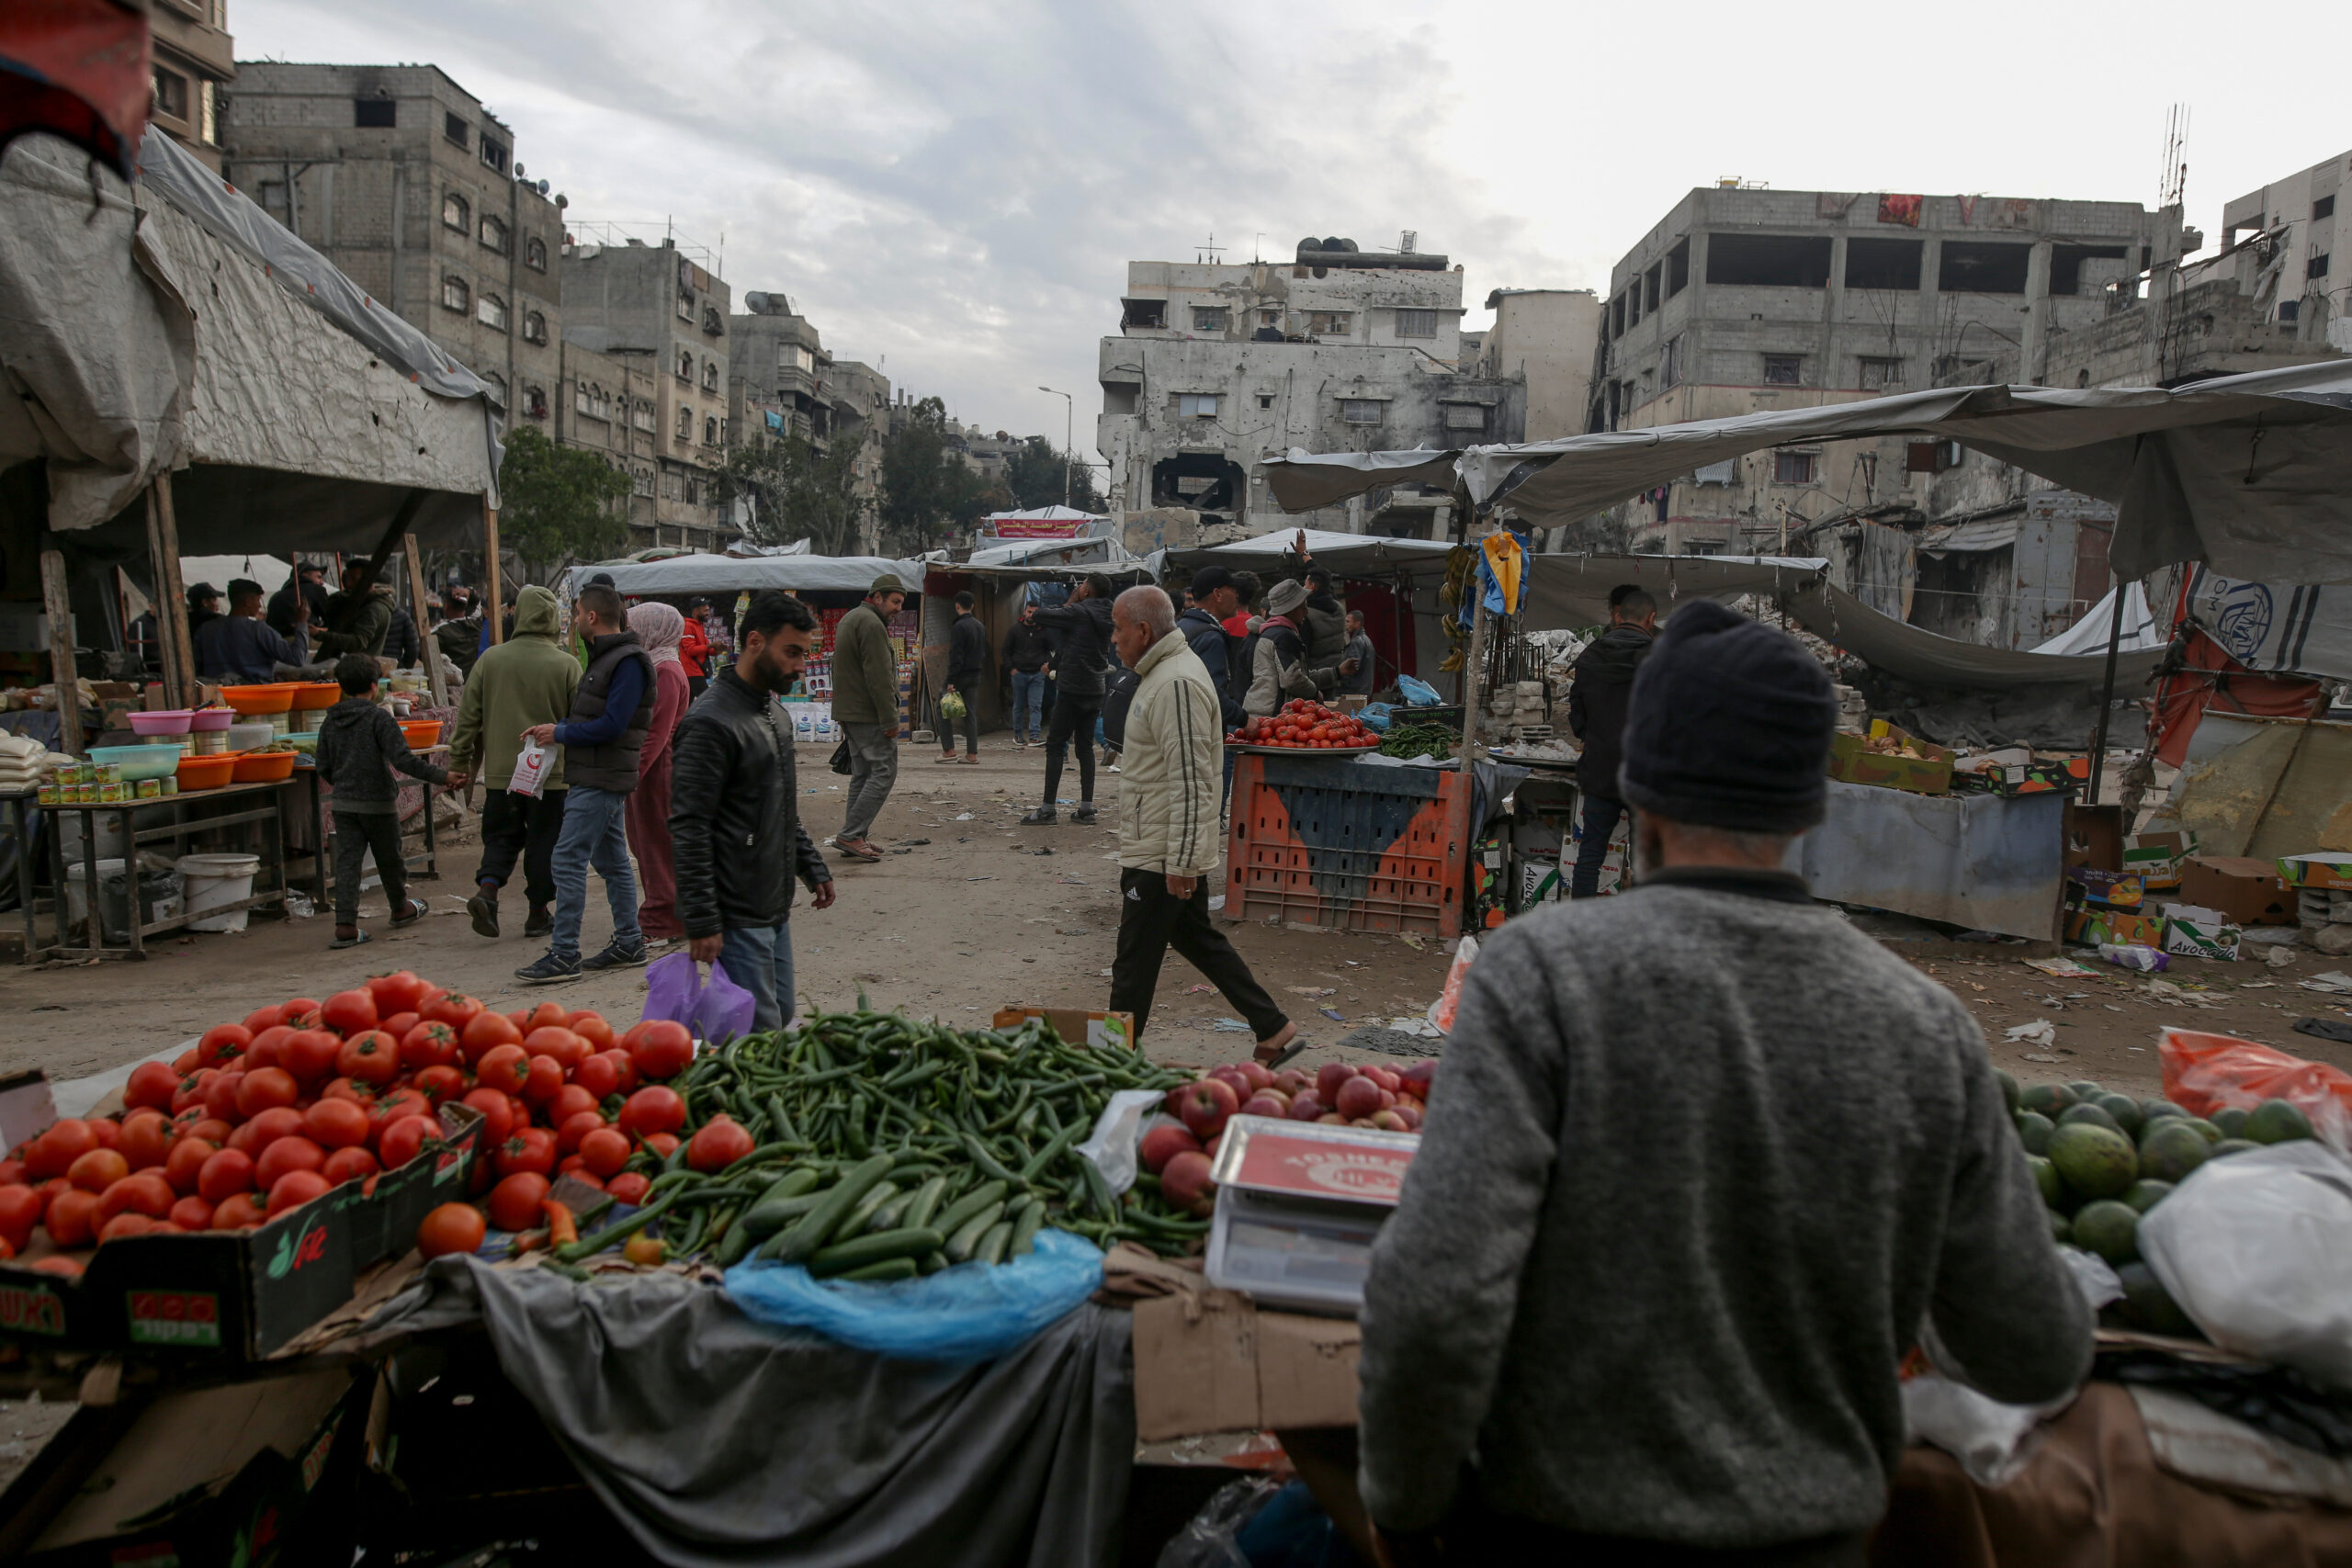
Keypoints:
pixel 857 848
pixel 418 909
pixel 1281 1046
pixel 970 757
pixel 352 941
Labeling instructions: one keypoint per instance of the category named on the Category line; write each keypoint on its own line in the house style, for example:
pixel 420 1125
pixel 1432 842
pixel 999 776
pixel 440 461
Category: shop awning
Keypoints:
pixel 731 574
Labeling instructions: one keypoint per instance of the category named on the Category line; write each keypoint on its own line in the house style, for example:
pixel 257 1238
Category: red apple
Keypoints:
pixel 1333 1118
pixel 1389 1122
pixel 1185 1183
pixel 1229 1073
pixel 1259 1074
pixel 1211 1148
pixel 1412 1116
pixel 1208 1104
pixel 1289 1080
pixel 1265 1103
pixel 1305 1107
pixel 1388 1099
pixel 1329 1076
pixel 1419 1079
pixel 1174 1102
pixel 1358 1097
pixel 1163 1144
pixel 1384 1076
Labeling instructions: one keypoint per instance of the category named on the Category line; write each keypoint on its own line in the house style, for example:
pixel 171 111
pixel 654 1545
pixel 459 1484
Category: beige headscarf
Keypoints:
pixel 658 628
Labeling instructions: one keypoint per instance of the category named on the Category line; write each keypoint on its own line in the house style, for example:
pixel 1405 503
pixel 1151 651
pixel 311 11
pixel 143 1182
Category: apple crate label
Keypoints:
pixel 174 1317
pixel 314 1463
pixel 1319 1169
pixel 30 1311
pixel 293 1251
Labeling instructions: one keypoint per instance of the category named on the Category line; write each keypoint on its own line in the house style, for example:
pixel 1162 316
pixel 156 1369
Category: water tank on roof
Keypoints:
pixel 1310 243
pixel 1335 243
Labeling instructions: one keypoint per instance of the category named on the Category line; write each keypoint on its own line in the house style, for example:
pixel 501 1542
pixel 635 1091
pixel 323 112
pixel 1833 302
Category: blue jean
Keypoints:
pixel 591 834
pixel 1600 815
pixel 759 959
pixel 1028 703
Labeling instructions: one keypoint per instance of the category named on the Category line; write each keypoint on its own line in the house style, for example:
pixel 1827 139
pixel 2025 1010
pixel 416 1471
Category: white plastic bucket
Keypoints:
pixel 214 880
pixel 77 892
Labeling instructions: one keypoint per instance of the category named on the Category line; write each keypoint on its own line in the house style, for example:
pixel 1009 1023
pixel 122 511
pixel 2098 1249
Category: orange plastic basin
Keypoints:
pixel 311 694
pixel 420 731
pixel 208 772
pixel 270 699
pixel 263 767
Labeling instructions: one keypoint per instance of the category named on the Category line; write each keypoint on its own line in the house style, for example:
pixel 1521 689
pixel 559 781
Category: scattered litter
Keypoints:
pixel 1196 990
pixel 963 816
pixel 1046 850
pixel 1102 972
pixel 2041 1031
pixel 2324 1029
pixel 2259 986
pixel 902 852
pixel 1217 900
pixel 2110 1006
pixel 914 842
pixel 2132 955
pixel 1400 1037
pixel 1311 990
pixel 1224 1025
pixel 2059 968
pixel 2335 982
pixel 1414 941
pixel 1072 881
pixel 1978 936
pixel 2035 1056
pixel 1333 1014
pixel 50 1007
pixel 300 907
pixel 2279 957
pixel 979 879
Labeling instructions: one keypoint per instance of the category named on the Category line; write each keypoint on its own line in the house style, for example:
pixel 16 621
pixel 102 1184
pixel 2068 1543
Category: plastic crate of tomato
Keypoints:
pixel 1303 725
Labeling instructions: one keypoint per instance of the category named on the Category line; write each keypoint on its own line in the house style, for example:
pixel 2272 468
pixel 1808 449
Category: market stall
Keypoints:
pixel 1001 579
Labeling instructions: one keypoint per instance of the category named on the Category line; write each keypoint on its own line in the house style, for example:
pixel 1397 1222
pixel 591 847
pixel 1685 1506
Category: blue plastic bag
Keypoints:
pixel 1376 714
pixel 1418 693
pixel 970 1313
pixel 715 1010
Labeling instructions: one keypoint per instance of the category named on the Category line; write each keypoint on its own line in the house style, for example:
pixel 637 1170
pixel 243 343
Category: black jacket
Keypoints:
pixel 1326 625
pixel 968 651
pixel 608 764
pixel 1027 648
pixel 400 644
pixel 1206 635
pixel 1597 699
pixel 736 838
pixel 1086 647
pixel 359 745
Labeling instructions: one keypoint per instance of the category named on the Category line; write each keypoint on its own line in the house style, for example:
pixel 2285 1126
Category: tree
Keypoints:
pixel 798 493
pixel 557 504
pixel 1034 474
pixel 928 491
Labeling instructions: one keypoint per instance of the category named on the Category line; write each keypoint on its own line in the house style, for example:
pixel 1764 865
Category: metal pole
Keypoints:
pixel 1069 434
pixel 2107 694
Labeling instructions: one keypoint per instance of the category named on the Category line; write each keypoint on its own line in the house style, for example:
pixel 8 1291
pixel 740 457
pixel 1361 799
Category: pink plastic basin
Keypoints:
pixel 166 721
pixel 212 718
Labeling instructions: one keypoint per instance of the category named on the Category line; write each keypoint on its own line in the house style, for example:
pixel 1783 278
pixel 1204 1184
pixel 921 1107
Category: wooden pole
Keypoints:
pixel 432 651
pixel 171 608
pixel 58 605
pixel 494 610
pixel 394 532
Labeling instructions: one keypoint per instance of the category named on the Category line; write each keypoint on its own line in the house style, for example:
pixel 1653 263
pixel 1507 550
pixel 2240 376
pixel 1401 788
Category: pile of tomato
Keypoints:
pixel 264 1115
pixel 1307 726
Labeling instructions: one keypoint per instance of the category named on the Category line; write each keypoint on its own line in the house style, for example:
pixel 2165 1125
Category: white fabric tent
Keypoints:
pixel 2252 474
pixel 2093 632
pixel 729 574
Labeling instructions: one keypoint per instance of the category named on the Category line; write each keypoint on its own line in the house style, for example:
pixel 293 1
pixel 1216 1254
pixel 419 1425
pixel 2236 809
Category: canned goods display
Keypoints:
pixel 107 772
pixel 47 794
pixel 150 789
pixel 170 785
pixel 113 791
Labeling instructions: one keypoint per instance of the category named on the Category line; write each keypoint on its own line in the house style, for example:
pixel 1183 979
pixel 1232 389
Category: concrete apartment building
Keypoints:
pixel 663 315
pixel 195 62
pixel 2308 228
pixel 782 381
pixel 1216 366
pixel 610 404
pixel 1545 337
pixel 403 180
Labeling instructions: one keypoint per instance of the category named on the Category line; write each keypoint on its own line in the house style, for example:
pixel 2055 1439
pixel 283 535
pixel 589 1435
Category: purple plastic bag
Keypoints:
pixel 726 1009
pixel 673 987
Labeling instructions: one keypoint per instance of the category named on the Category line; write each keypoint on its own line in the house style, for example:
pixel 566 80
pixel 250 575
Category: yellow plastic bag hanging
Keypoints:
pixel 1506 558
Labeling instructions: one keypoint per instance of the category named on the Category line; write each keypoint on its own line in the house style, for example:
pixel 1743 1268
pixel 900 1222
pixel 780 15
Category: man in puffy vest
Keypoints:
pixel 612 709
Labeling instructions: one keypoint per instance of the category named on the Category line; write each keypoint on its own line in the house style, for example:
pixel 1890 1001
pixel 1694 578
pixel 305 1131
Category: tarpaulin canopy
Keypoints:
pixel 1914 654
pixel 2275 626
pixel 2252 474
pixel 730 574
pixel 2096 629
pixel 175 326
pixel 1344 555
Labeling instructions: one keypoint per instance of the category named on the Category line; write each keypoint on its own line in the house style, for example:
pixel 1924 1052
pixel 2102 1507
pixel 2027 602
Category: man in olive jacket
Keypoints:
pixel 525 681
pixel 735 830
pixel 865 703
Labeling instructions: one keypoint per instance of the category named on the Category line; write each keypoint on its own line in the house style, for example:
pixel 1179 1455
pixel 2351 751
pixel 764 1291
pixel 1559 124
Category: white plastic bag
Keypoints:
pixel 2256 1247
pixel 1465 954
pixel 1991 1439
pixel 530 770
pixel 1117 1133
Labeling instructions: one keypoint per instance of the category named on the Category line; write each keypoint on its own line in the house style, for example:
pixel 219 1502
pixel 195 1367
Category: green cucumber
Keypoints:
pixel 790 1196
pixel 883 1272
pixel 844 1256
pixel 890 1216
pixel 925 1202
pixel 1025 1225
pixel 993 1242
pixel 813 1229
pixel 861 1217
pixel 932 1262
pixel 961 1245
pixel 970 1203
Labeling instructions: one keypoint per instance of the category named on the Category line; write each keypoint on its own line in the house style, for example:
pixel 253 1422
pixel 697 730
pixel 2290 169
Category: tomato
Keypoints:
pixel 261 1018
pixel 221 1042
pixel 399 1025
pixel 220 1096
pixel 401 1140
pixel 452 1227
pixel 184 1168
pixel 125 1226
pixel 576 1126
pixel 191 1213
pixel 337 1125
pixel 277 1122
pixel 349 1012
pixel 312 1055
pixel 370 1057
pixel 348 1165
pixel 295 1189
pixel 151 1084
pixel 557 1044
pixel 301 1012
pixel 580 1173
pixel 238 1212
pixel 67 1141
pixel 533 1149
pixel 626 1065
pixel 399 991
pixel 20 1211
pixel 224 1173
pixel 449 1008
pixel 211 1130
pixel 664 1049
pixel 403 1101
pixel 604 1151
pixel 652 1110
pixel 98 1171
pixel 486 1033
pixel 514 1202
pixel 146 1193
pixel 543 1079
pixel 431 1044
pixel 191 1091
pixel 628 1187
pixel 597 1077
pixel 284 1156
pixel 662 1143
pixel 344 1088
pixel 593 1028
pixel 717 1144
pixel 72 1218
pixel 497 1114
pixel 107 1131
pixel 570 1101
pixel 265 1089
pixel 505 1069
pixel 146 1139
pixel 439 1082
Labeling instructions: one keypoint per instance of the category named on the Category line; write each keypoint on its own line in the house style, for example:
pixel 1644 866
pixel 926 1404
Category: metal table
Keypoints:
pixel 246 803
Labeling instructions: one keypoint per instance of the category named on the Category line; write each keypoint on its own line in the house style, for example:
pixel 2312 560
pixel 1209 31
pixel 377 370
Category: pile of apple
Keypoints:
pixel 264 1115
pixel 1180 1154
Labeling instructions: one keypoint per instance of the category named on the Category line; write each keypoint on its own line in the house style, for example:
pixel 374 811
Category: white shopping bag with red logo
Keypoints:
pixel 531 765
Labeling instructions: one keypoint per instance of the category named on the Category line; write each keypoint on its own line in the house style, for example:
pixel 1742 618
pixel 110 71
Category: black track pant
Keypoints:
pixel 1152 920
pixel 1073 721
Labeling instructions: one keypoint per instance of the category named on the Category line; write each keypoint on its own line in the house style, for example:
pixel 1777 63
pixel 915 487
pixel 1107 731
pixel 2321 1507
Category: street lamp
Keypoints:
pixel 1070 427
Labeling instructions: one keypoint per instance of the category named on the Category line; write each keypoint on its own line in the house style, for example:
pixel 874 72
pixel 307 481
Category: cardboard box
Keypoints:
pixel 2094 835
pixel 1540 882
pixel 1214 1362
pixel 2316 873
pixel 1075 1024
pixel 2091 928
pixel 2249 892
pixel 235 1296
pixel 1928 773
pixel 2194 932
pixel 2158 858
pixel 2092 889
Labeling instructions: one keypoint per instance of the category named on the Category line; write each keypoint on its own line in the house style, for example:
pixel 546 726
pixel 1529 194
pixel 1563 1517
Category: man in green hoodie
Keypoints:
pixel 527 679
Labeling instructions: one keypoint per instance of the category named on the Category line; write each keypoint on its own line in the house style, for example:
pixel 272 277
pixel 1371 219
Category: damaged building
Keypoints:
pixel 782 382
pixel 1216 366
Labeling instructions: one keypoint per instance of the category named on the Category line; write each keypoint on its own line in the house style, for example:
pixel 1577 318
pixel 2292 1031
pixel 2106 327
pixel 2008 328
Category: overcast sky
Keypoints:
pixel 953 190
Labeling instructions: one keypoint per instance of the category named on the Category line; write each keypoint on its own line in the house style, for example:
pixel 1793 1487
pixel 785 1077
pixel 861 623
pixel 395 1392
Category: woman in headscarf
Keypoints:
pixel 647 815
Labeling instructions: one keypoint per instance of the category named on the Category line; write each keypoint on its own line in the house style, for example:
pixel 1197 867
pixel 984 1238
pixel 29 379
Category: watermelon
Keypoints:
pixel 2094 1161
pixel 2045 1177
pixel 2148 1306
pixel 2108 1229
pixel 2125 1110
pixel 2047 1098
pixel 2277 1122
pixel 2033 1132
pixel 2145 1194
pixel 2230 1120
pixel 2171 1150
pixel 2096 1115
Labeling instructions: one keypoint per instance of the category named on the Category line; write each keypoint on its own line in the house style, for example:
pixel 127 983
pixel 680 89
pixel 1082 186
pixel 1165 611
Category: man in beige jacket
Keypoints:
pixel 1168 798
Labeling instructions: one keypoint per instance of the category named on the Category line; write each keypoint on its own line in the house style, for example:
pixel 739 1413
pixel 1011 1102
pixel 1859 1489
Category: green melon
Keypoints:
pixel 2094 1161
pixel 2087 1088
pixel 2148 1307
pixel 2233 1146
pixel 2108 1229
pixel 2146 1194
pixel 2230 1120
pixel 2207 1130
pixel 2009 1090
pixel 2033 1132
pixel 2045 1177
pixel 2060 1231
pixel 2171 1150
pixel 2277 1122
pixel 2047 1098
pixel 2151 1110
pixel 2096 1115
pixel 2126 1112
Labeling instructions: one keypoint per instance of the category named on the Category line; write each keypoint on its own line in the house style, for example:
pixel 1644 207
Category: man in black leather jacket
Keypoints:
pixel 1597 699
pixel 735 826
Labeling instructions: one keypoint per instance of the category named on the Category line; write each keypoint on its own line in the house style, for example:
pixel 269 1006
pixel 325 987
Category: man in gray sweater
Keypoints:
pixel 1702 1164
